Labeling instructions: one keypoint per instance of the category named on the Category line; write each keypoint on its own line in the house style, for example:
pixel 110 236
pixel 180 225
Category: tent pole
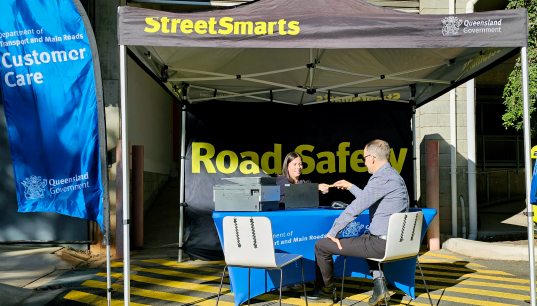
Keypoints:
pixel 126 170
pixel 527 160
pixel 182 184
pixel 108 272
pixel 311 68
pixel 414 148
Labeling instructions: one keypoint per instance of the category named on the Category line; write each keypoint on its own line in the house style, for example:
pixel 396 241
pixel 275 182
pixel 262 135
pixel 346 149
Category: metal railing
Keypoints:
pixel 496 186
pixel 500 151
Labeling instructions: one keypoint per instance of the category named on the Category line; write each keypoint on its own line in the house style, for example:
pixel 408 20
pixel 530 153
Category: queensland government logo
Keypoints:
pixel 354 229
pixel 451 26
pixel 34 187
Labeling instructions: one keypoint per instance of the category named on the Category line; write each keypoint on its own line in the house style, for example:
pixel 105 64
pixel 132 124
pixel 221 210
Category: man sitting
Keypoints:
pixel 384 195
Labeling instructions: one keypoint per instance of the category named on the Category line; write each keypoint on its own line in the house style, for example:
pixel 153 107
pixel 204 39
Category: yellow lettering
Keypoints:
pixel 271 27
pixel 330 162
pixel 200 27
pixel 294 29
pixel 355 161
pixel 277 156
pixel 319 98
pixel 396 96
pixel 197 158
pixel 152 22
pixel 164 21
pixel 212 23
pixel 221 162
pixel 225 22
pixel 281 29
pixel 245 27
pixel 253 163
pixel 356 99
pixel 260 28
pixel 175 22
pixel 306 159
pixel 398 164
pixel 186 26
pixel 342 154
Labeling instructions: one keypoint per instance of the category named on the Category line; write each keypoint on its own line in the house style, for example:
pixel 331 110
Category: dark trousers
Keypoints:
pixel 365 246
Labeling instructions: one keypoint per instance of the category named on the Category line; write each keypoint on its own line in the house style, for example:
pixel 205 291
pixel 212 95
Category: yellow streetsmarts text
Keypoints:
pixel 223 26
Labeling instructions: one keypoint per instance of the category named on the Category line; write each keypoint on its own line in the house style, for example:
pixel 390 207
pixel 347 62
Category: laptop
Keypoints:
pixel 299 196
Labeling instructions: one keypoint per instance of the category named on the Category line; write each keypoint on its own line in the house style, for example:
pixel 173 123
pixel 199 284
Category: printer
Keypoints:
pixel 247 194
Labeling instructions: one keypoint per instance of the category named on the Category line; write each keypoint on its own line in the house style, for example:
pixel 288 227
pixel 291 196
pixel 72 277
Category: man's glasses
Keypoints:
pixel 368 156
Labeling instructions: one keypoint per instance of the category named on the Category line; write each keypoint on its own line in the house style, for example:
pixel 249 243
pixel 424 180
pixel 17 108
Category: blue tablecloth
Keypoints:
pixel 296 231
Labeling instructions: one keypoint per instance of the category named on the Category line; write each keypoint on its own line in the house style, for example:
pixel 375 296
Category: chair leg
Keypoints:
pixel 423 278
pixel 342 281
pixel 281 282
pixel 303 282
pixel 385 286
pixel 248 286
pixel 221 282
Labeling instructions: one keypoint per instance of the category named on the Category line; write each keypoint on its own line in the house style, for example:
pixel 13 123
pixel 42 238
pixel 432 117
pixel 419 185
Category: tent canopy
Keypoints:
pixel 315 51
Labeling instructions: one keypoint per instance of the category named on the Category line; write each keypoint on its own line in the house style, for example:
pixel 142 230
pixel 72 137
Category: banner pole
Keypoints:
pixel 126 170
pixel 182 183
pixel 527 161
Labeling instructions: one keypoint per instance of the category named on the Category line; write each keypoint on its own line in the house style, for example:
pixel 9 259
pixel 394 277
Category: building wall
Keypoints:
pixel 150 113
pixel 432 121
pixel 150 120
pixel 433 124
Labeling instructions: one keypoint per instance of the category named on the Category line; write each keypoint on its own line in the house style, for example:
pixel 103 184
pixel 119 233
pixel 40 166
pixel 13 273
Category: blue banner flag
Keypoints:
pixel 48 90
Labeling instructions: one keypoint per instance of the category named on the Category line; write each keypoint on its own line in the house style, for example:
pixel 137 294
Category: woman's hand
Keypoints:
pixel 343 184
pixel 324 188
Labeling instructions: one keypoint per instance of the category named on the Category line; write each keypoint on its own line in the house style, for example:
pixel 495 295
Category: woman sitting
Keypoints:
pixel 291 171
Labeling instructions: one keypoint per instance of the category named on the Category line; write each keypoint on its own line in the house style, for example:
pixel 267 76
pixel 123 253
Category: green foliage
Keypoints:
pixel 512 94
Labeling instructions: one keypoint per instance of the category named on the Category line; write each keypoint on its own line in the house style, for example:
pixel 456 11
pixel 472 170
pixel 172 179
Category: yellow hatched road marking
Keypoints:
pixel 439 255
pixel 168 263
pixel 464 300
pixel 174 284
pixel 369 286
pixel 499 294
pixel 466 270
pixel 167 296
pixel 474 283
pixel 470 275
pixel 457 263
pixel 92 299
pixel 169 272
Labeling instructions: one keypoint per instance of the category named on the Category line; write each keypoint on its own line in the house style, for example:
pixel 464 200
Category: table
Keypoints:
pixel 296 231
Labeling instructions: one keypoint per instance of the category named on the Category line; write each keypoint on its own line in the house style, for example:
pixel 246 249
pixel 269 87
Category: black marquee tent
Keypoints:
pixel 306 52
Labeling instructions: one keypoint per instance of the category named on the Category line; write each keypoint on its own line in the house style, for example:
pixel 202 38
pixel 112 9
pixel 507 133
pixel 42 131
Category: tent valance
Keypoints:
pixel 320 24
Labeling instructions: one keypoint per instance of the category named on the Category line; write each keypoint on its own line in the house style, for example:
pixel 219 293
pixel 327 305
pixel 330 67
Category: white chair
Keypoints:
pixel 248 243
pixel 402 242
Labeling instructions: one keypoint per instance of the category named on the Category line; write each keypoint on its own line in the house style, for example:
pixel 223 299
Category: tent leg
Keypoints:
pixel 108 277
pixel 182 184
pixel 414 148
pixel 126 170
pixel 527 160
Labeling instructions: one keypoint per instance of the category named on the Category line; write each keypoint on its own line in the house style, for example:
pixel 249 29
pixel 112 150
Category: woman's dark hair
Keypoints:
pixel 289 158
